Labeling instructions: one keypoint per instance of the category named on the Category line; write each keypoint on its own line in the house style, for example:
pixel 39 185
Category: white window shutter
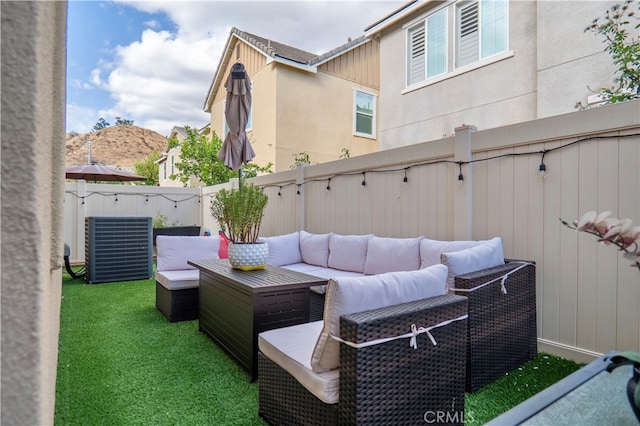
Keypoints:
pixel 416 55
pixel 468 34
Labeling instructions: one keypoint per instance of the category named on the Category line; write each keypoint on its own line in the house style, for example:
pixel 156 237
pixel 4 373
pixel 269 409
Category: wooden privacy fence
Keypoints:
pixel 474 185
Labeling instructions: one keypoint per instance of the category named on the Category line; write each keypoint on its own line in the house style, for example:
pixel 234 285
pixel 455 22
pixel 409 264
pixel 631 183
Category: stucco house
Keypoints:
pixel 302 102
pixel 171 157
pixel 484 63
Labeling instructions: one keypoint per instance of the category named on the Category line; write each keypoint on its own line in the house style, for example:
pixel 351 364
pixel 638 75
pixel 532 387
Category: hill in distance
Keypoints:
pixel 115 146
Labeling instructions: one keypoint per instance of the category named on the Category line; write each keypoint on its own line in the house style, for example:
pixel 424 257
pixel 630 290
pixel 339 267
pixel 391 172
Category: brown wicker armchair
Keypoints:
pixel 385 383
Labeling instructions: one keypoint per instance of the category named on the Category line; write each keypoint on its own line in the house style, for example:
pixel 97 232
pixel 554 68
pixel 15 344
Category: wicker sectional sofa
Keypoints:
pixel 502 332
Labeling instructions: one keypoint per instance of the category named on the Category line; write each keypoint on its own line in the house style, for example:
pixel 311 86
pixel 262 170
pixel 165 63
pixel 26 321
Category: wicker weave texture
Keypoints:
pixel 284 401
pixel 502 327
pixel 392 383
pixel 177 305
pixel 383 384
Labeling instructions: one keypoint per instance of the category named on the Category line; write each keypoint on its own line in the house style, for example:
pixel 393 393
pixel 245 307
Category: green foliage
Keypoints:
pixel 624 47
pixel 160 220
pixel 199 158
pixel 345 153
pixel 300 158
pixel 123 121
pixel 239 212
pixel 101 124
pixel 149 169
pixel 173 142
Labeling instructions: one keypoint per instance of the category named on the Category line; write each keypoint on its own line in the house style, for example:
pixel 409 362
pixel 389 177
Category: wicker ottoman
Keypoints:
pixel 177 305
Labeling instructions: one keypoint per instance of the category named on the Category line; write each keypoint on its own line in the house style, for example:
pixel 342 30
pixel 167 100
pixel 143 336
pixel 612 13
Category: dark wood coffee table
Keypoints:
pixel 235 306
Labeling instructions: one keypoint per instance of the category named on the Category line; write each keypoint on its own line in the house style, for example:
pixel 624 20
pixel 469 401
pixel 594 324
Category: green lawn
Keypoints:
pixel 121 362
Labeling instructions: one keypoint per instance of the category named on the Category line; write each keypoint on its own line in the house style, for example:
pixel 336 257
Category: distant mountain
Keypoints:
pixel 116 146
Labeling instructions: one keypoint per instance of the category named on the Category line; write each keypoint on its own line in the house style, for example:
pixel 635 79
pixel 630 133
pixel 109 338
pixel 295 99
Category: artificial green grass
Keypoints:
pixel 121 362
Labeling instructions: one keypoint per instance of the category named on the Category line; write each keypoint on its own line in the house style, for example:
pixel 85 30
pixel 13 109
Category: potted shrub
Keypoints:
pixel 239 213
pixel 161 226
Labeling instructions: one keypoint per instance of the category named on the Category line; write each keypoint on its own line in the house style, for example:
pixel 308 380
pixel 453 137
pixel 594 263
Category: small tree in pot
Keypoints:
pixel 239 214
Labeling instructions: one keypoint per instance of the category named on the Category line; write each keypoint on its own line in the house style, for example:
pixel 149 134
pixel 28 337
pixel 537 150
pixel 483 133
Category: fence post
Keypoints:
pixel 82 212
pixel 463 196
pixel 301 197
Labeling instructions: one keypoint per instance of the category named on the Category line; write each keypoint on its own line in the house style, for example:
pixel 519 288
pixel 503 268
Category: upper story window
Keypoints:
pixel 427 43
pixel 480 31
pixel 364 122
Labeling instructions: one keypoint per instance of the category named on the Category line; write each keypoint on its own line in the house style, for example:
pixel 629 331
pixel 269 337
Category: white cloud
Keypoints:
pixel 162 80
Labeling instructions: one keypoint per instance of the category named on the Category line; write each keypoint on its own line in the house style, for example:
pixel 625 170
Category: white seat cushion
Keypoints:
pixel 349 295
pixel 291 348
pixel 319 272
pixel 179 280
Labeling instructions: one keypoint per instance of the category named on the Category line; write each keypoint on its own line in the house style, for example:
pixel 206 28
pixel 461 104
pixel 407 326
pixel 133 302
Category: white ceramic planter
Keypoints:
pixel 248 257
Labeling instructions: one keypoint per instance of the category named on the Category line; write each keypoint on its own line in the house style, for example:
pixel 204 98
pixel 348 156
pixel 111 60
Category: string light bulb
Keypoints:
pixel 460 176
pixel 405 179
pixel 364 182
pixel 329 184
pixel 543 168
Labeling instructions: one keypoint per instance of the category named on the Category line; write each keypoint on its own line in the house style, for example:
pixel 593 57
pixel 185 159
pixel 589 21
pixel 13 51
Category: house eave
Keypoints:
pixel 394 17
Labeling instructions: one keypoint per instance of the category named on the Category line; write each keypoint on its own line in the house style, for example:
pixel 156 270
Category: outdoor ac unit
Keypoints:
pixel 118 249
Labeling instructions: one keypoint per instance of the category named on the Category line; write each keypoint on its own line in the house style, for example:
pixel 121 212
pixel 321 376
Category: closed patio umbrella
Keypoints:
pixel 236 148
pixel 98 172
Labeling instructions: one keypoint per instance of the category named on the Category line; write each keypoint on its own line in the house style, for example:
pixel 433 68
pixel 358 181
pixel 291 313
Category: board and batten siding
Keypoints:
pixel 360 65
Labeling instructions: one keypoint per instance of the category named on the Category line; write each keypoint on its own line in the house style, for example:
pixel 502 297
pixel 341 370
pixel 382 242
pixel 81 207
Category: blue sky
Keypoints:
pixel 153 61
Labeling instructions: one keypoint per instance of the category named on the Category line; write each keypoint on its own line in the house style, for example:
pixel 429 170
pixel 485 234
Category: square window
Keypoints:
pixel 365 113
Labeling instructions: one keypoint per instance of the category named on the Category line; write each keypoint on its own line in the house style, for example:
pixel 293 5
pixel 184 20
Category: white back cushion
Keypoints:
pixel 173 252
pixel 348 252
pixel 283 249
pixel 473 259
pixel 347 295
pixel 314 248
pixel 392 254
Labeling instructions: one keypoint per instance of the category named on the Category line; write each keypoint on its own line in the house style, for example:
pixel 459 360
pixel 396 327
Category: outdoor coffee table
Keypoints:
pixel 235 306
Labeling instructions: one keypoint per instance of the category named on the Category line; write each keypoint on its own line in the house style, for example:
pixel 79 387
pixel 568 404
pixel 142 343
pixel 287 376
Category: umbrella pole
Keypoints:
pixel 240 179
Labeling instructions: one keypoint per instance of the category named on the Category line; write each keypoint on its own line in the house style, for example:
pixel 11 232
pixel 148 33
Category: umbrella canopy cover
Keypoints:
pixel 98 172
pixel 236 148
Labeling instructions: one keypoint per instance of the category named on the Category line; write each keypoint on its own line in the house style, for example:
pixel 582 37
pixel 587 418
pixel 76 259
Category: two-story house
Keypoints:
pixel 302 103
pixel 487 63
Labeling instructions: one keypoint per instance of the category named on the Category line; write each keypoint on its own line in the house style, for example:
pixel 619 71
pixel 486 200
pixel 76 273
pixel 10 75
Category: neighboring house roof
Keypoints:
pixel 177 130
pixel 276 52
pixel 395 16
